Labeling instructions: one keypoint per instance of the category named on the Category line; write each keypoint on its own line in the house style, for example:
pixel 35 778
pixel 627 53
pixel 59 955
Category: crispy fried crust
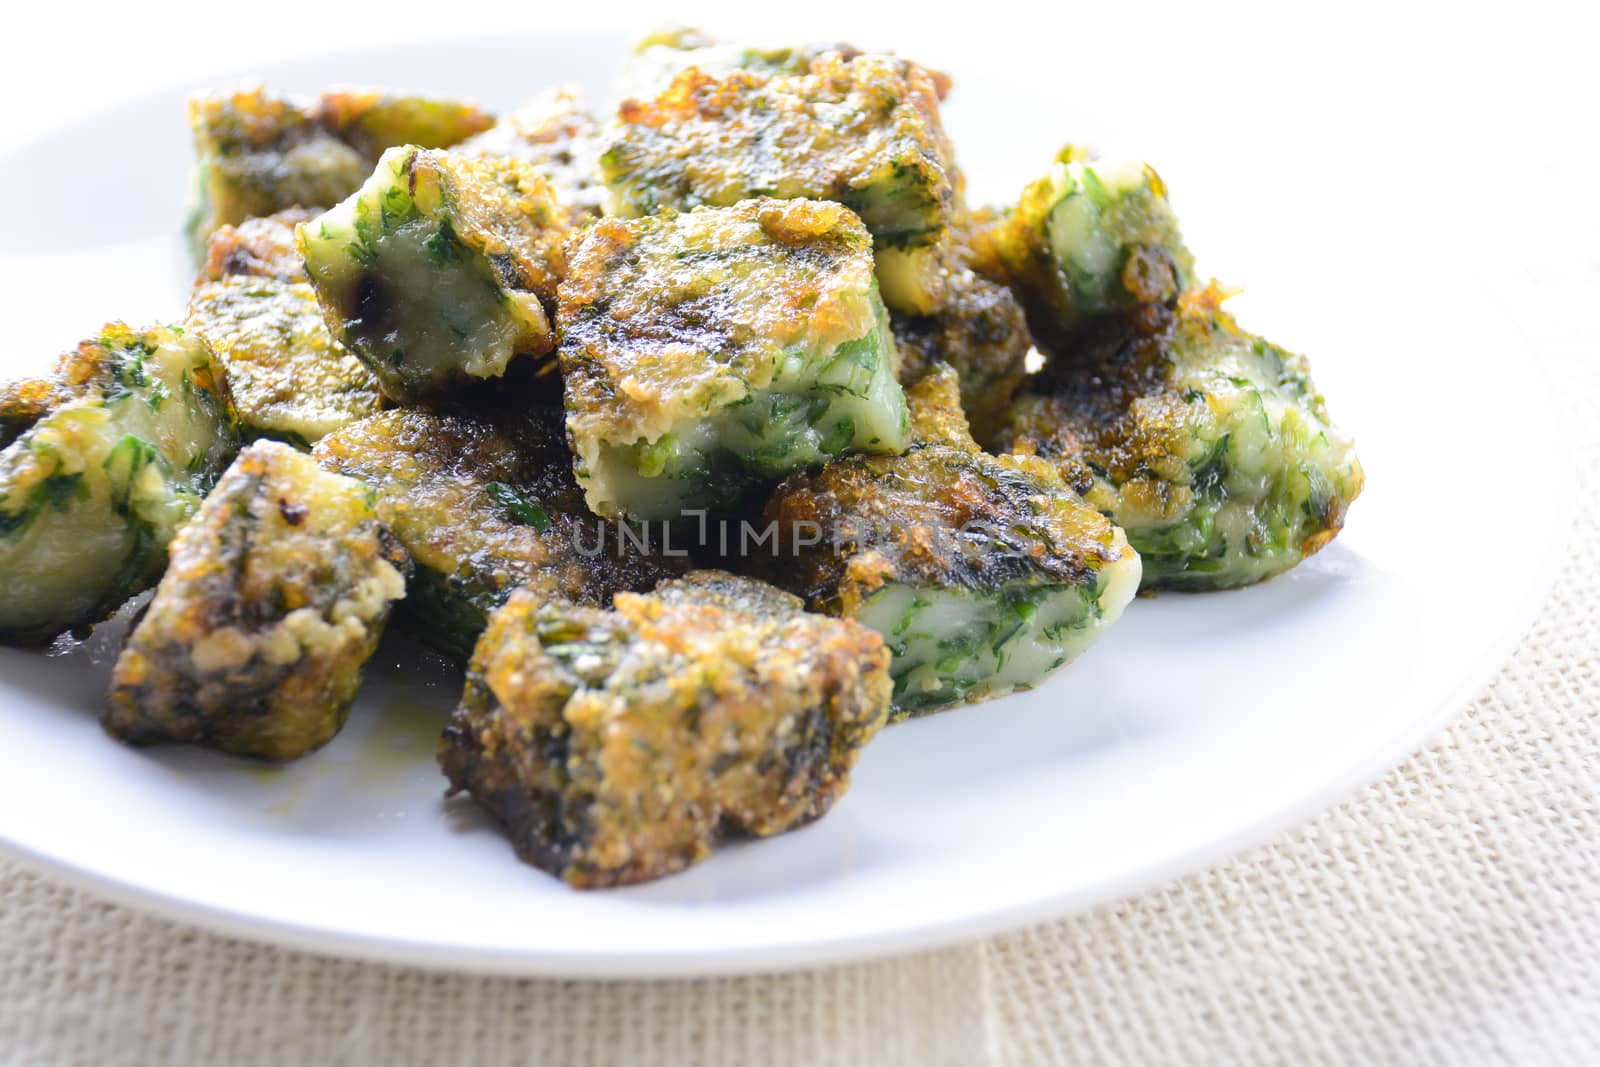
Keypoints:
pixel 25 401
pixel 863 130
pixel 983 573
pixel 92 369
pixel 665 53
pixel 289 378
pixel 1033 527
pixel 981 334
pixel 486 506
pixel 686 313
pixel 504 210
pixel 257 248
pixel 276 596
pixel 615 746
pixel 374 121
pixel 1210 445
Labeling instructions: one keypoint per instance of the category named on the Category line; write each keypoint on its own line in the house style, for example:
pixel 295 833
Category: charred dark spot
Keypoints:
pixel 293 514
pixel 506 270
pixel 1150 276
pixel 238 261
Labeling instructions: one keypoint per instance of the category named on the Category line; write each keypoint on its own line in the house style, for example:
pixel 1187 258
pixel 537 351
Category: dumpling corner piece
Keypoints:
pixel 440 269
pixel 105 459
pixel 984 574
pixel 615 746
pixel 1209 445
pixel 277 594
pixel 707 354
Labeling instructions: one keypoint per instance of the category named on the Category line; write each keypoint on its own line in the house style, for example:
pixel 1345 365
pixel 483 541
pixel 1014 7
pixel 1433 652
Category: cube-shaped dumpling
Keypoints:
pixel 487 505
pixel 708 354
pixel 105 460
pixel 277 593
pixel 615 746
pixel 258 152
pixel 289 378
pixel 440 269
pixel 1087 241
pixel 1209 445
pixel 863 130
pixel 983 573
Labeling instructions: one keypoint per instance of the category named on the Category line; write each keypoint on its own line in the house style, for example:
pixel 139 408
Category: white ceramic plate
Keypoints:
pixel 1200 724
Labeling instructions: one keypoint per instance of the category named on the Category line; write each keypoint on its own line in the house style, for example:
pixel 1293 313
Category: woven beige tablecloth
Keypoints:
pixel 1449 913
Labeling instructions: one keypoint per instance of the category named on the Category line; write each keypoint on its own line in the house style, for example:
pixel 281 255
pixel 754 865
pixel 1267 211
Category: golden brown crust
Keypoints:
pixel 260 152
pixel 25 401
pixel 440 270
pixel 1108 403
pixel 1209 445
pixel 559 139
pixel 374 120
pixel 982 334
pixel 707 354
pixel 937 414
pixel 1085 243
pixel 506 211
pixel 289 378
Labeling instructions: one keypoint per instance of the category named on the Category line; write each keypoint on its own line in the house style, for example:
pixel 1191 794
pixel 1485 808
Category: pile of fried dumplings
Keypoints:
pixel 710 432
